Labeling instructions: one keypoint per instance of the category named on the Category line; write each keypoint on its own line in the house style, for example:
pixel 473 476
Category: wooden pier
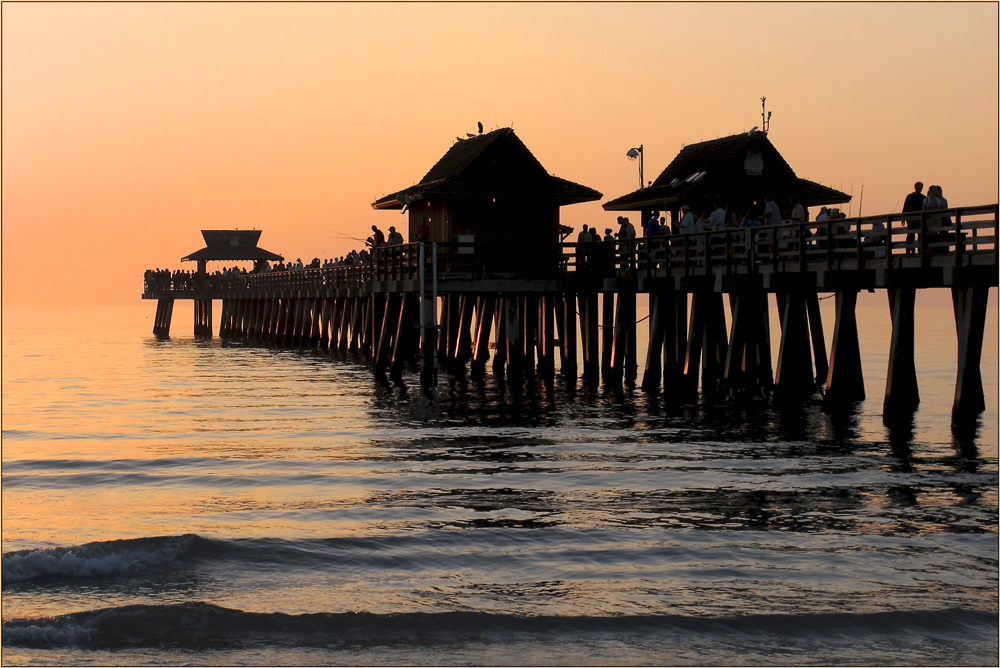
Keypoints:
pixel 450 306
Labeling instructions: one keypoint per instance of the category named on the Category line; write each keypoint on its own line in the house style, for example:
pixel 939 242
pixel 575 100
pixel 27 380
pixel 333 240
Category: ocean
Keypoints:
pixel 190 501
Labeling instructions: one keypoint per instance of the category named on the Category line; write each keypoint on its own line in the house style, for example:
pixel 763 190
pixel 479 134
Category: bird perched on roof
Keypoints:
pixel 480 123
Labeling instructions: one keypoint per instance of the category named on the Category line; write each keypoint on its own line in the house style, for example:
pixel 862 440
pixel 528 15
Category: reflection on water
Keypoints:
pixel 290 481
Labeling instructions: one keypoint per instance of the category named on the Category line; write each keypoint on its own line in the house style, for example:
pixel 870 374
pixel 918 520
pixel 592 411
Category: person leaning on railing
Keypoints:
pixel 936 224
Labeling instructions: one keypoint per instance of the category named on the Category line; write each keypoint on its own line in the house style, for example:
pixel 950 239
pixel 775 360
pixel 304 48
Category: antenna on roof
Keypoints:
pixel 765 121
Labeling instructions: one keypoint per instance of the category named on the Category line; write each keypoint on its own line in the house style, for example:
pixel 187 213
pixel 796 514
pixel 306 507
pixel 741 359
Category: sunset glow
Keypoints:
pixel 127 128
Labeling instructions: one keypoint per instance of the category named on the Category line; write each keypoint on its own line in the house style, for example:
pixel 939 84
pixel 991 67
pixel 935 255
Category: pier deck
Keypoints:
pixel 449 304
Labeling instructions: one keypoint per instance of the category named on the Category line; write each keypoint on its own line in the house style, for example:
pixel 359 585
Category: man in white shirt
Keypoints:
pixel 717 220
pixel 687 220
pixel 772 214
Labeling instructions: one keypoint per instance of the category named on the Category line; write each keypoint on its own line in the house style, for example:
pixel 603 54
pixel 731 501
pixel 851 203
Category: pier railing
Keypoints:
pixel 961 236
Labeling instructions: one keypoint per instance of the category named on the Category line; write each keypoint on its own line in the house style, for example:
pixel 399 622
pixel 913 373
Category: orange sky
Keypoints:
pixel 127 128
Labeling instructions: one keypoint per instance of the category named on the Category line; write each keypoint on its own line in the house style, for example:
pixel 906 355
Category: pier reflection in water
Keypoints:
pixel 290 481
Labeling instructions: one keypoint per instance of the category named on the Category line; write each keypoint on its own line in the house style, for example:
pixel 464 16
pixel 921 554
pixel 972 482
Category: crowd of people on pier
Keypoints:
pixel 596 251
pixel 164 279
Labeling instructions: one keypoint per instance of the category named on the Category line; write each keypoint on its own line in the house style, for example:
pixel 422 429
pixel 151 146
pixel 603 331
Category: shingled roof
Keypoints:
pixel 734 167
pixel 494 164
pixel 230 245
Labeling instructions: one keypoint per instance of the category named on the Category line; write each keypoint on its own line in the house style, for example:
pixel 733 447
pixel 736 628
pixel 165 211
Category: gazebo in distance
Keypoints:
pixel 224 246
pixel 489 188
pixel 737 171
pixel 230 246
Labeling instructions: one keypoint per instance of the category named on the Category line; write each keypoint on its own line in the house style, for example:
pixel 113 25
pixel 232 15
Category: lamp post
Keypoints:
pixel 632 154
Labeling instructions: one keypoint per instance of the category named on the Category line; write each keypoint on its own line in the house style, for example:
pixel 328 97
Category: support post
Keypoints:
pixel 657 322
pixel 901 391
pixel 970 320
pixel 816 332
pixel 500 344
pixel 567 337
pixel 590 332
pixel 845 382
pixel 607 333
pixel 715 342
pixel 164 312
pixel 515 349
pixel 484 325
pixel 675 344
pixel 407 336
pixel 794 378
pixel 382 344
pixel 529 320
pixel 462 351
pixel 695 338
pixel 546 335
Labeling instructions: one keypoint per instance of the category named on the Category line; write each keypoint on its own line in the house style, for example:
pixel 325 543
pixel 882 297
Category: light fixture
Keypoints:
pixel 634 153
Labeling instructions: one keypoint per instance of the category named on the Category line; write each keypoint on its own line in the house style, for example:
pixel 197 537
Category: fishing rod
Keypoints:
pixel 346 236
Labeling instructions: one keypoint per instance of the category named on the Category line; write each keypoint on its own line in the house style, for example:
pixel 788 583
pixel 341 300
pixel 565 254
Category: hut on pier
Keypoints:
pixel 491 188
pixel 737 171
pixel 230 246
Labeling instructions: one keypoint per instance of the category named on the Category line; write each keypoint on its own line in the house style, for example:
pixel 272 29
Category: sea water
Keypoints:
pixel 195 501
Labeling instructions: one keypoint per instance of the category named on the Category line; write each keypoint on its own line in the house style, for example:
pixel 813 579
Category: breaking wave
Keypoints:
pixel 200 625
pixel 116 557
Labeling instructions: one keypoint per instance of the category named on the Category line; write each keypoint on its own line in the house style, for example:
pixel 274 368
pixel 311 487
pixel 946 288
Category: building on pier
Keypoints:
pixel 230 246
pixel 491 188
pixel 738 171
pixel 222 246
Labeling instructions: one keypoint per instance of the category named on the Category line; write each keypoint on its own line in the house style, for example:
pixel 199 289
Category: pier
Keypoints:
pixel 492 280
pixel 459 306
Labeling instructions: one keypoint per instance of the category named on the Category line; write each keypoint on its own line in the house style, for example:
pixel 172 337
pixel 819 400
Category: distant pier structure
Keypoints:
pixel 220 246
pixel 491 280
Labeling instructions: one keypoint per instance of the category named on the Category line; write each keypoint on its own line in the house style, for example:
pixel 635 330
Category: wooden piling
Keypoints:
pixel 793 377
pixel 619 341
pixel 344 309
pixel 695 339
pixel 590 333
pixel 357 317
pixel 714 342
pixel 901 392
pixel 164 312
pixel 500 337
pixel 566 314
pixel 845 381
pixel 607 333
pixel 546 336
pixel 224 318
pixel 515 348
pixel 407 335
pixel 316 322
pixel 484 325
pixel 816 335
pixel 630 366
pixel 323 310
pixel 675 345
pixel 255 321
pixel 653 372
pixel 462 351
pixel 970 304
pixel 741 351
pixel 529 322
pixel 385 331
